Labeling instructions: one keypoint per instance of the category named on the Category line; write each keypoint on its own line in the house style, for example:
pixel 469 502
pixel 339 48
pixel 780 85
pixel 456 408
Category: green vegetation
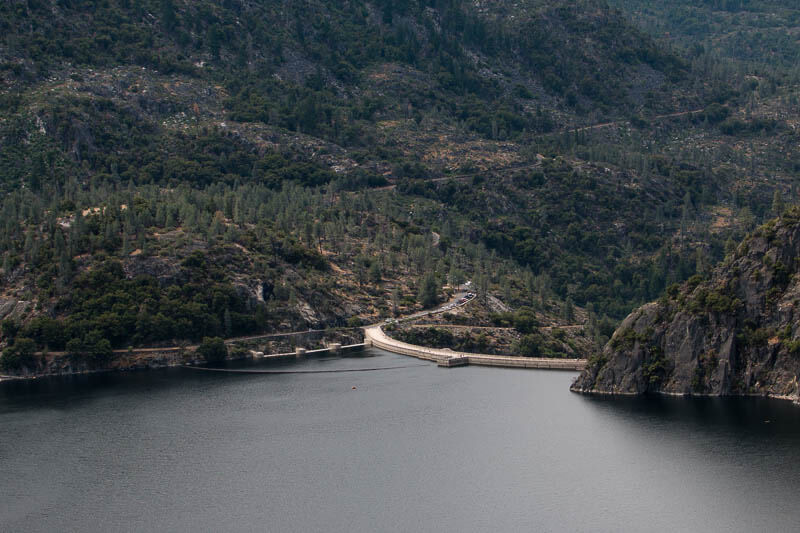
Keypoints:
pixel 706 364
pixel 20 354
pixel 173 171
pixel 523 320
pixel 793 347
pixel 597 361
pixel 428 291
pixel 656 369
pixel 753 337
pixel 625 339
pixel 537 345
pixel 92 347
pixel 750 33
pixel 706 300
pixel 441 338
pixel 213 349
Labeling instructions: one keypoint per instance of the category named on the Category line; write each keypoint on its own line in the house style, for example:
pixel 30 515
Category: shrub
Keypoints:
pixel 525 321
pixel 656 368
pixel 753 338
pixel 793 347
pixel 20 354
pixel 92 346
pixel 597 361
pixel 694 281
pixel 673 290
pixel 213 349
pixel 530 346
pixel 502 320
pixel 713 301
pixel 625 339
pixel 715 113
pixel 9 328
pixel 239 352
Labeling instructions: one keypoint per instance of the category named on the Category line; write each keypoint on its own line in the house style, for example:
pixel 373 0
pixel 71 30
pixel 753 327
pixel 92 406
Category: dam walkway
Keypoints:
pixel 374 336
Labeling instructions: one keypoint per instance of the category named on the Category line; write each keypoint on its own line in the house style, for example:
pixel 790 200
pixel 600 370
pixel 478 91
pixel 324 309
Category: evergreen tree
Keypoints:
pixel 778 204
pixel 428 291
pixel 395 301
pixel 375 272
pixel 569 310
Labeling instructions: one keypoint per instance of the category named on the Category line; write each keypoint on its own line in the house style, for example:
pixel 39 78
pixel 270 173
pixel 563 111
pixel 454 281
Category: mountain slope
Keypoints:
pixel 759 33
pixel 290 163
pixel 733 334
pixel 273 56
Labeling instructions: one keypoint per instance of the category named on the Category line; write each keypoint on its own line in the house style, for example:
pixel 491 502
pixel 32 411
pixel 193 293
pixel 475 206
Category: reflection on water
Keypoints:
pixel 409 449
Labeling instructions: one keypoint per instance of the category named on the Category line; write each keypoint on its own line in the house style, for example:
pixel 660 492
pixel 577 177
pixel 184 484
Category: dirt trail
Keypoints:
pixel 618 122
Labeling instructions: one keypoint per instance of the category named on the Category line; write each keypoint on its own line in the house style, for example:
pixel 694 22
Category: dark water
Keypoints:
pixel 412 449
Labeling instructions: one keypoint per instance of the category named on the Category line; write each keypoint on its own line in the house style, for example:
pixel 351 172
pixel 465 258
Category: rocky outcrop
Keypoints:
pixel 12 308
pixel 736 332
pixel 165 271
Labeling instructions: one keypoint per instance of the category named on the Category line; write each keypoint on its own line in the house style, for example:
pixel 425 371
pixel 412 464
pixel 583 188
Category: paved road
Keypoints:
pixel 451 304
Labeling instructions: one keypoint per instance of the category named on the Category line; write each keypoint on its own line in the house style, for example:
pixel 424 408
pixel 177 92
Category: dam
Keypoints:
pixel 375 336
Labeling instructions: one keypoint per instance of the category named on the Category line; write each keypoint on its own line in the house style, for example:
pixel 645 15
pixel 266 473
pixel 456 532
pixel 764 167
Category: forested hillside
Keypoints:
pixel 175 170
pixel 761 34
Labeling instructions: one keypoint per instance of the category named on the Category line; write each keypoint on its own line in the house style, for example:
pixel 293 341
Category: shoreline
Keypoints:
pixel 154 358
pixel 594 392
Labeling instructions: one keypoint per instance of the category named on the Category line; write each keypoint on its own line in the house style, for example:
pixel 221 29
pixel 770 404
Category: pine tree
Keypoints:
pixel 395 300
pixel 730 246
pixel 530 285
pixel 777 203
pixel 428 291
pixel 375 272
pixel 28 246
pixel 569 310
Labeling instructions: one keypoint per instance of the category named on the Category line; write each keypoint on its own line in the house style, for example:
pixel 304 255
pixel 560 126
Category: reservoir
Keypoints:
pixel 415 448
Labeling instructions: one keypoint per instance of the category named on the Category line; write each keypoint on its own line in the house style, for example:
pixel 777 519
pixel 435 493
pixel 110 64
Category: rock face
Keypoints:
pixel 166 272
pixel 734 333
pixel 12 308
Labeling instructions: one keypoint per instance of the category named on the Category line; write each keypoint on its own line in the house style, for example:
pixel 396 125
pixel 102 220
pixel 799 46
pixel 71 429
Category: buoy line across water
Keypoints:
pixel 337 371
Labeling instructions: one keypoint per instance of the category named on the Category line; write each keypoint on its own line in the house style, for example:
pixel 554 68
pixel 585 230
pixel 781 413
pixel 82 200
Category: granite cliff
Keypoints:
pixel 733 332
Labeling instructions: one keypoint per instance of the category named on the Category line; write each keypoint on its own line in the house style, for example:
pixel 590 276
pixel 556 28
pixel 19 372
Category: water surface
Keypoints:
pixel 411 449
